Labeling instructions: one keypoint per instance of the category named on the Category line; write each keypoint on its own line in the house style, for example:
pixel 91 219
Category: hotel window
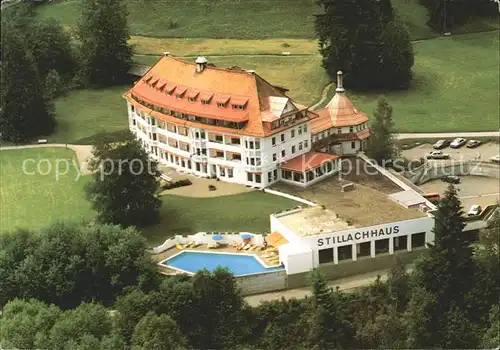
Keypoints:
pixel 316 138
pixel 400 243
pixel 382 246
pixel 363 249
pixel 219 138
pixel 306 144
pixel 134 122
pixel 252 161
pixel 300 130
pixel 257 144
pixel 275 174
pixel 190 99
pixel 273 141
pixel 204 102
pixel 236 157
pixel 339 130
pixel 154 137
pixel 293 149
pixel 250 177
pixel 418 240
pixel 305 127
pixel 345 252
pixel 235 141
pixel 250 145
pixel 282 137
pixel 300 146
pixel 283 153
pixel 351 129
pixel 269 176
pixel 258 178
pixel 240 107
pixel 132 108
pixel 222 171
pixel 230 172
pixel 219 154
pixel 353 144
pixel 325 255
pixel 274 157
pixel 292 132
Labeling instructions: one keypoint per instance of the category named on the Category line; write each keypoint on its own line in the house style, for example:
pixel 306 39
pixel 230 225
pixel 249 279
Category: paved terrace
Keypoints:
pixel 367 204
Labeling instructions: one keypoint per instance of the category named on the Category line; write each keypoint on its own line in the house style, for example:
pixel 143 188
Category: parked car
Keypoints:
pixel 437 155
pixel 458 142
pixel 474 210
pixel 495 159
pixel 441 144
pixel 473 144
pixel 453 179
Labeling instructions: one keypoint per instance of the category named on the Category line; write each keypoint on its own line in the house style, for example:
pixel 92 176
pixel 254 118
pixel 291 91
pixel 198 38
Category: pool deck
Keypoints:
pixel 203 248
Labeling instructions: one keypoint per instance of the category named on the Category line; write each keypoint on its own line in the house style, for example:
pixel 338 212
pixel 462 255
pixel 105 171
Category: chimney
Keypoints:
pixel 201 63
pixel 166 53
pixel 251 71
pixel 340 87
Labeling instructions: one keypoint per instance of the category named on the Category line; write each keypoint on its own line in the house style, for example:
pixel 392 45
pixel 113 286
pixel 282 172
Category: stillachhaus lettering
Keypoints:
pixel 358 235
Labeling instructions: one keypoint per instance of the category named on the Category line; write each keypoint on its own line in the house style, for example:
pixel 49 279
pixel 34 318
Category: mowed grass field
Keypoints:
pixel 36 200
pixel 30 199
pixel 236 213
pixel 81 114
pixel 455 87
pixel 240 19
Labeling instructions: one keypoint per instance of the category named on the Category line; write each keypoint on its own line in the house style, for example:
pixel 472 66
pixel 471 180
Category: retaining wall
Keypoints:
pixel 262 282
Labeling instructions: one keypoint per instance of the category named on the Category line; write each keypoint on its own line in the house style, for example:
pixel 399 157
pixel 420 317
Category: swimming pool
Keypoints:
pixel 238 264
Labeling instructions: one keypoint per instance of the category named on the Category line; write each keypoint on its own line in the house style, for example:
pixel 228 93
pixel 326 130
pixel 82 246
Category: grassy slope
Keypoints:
pixel 238 19
pixel 449 92
pixel 243 212
pixel 34 201
pixel 83 113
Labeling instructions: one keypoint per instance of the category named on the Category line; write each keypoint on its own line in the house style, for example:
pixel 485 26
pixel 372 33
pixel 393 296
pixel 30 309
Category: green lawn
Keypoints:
pixel 455 87
pixel 84 113
pixel 35 201
pixel 242 212
pixel 241 19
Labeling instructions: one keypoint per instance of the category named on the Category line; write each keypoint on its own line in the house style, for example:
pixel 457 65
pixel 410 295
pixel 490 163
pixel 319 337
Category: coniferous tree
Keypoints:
pixel 25 112
pixel 105 55
pixel 124 190
pixel 382 148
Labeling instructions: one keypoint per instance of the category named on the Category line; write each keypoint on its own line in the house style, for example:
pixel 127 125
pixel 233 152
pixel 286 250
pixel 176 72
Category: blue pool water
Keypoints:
pixel 236 263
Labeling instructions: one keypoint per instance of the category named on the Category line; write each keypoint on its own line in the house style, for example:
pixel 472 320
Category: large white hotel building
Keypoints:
pixel 234 125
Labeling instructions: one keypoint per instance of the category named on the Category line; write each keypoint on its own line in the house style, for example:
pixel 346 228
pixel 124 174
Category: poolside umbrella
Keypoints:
pixel 246 236
pixel 217 237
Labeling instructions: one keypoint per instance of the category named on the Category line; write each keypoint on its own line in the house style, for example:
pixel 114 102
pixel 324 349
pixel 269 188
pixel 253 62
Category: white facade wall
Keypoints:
pixel 278 226
pixel 264 160
pixel 347 147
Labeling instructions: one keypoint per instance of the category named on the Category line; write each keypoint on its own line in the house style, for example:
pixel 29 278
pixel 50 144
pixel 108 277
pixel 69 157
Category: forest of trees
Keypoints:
pixel 94 287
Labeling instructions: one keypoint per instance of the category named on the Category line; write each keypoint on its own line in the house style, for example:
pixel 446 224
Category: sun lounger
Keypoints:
pixel 179 246
pixel 268 255
pixel 247 246
pixel 213 245
pixel 195 244
pixel 253 247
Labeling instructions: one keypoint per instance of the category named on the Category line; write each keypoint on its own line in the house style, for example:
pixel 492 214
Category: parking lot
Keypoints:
pixel 472 190
pixel 483 152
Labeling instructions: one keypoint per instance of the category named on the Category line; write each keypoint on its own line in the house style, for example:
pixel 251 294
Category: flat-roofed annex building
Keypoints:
pixel 226 123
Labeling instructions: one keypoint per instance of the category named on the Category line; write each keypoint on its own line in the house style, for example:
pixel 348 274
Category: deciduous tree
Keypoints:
pixel 124 190
pixel 105 55
pixel 155 332
pixel 25 112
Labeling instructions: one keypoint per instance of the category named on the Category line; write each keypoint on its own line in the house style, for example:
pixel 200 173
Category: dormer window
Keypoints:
pixel 191 99
pixel 221 105
pixel 205 102
pixel 179 96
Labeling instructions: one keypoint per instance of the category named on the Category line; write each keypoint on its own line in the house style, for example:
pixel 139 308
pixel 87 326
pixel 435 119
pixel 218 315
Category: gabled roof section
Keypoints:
pixel 339 112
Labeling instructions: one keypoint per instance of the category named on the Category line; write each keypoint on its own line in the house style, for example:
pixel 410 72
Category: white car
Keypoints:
pixel 474 210
pixel 495 159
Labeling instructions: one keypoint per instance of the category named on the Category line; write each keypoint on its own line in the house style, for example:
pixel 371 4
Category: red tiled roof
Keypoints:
pixel 308 161
pixel 224 84
pixel 192 93
pixel 338 112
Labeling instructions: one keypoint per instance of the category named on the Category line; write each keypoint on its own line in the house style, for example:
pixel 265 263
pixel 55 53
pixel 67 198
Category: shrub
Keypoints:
pixel 176 184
